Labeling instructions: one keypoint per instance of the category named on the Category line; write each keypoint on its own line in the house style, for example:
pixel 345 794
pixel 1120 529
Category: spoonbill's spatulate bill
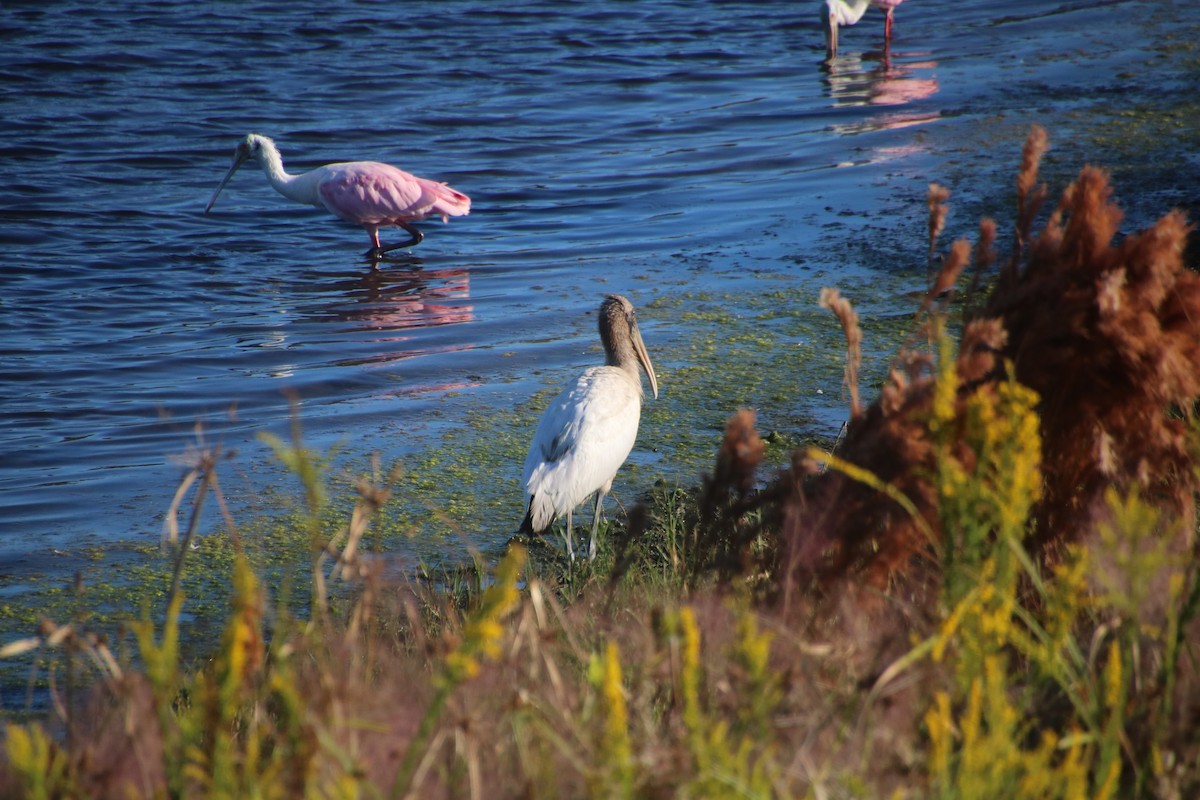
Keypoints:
pixel 838 13
pixel 588 431
pixel 366 193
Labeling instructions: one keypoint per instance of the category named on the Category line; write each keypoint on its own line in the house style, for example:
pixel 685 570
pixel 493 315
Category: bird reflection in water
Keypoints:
pixel 853 80
pixel 412 298
pixel 383 309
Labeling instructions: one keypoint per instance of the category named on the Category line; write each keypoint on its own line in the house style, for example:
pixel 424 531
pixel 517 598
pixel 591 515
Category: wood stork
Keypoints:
pixel 588 430
pixel 836 13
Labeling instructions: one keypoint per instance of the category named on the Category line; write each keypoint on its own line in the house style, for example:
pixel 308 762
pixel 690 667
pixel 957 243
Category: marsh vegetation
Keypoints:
pixel 986 588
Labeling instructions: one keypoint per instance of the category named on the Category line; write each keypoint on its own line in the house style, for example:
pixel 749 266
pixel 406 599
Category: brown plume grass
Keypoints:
pixel 1108 335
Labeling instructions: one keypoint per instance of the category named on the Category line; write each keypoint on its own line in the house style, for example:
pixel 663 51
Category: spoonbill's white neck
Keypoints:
pixel 301 188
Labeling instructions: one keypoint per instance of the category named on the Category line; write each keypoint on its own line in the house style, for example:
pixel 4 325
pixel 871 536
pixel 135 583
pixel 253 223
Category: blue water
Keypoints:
pixel 651 148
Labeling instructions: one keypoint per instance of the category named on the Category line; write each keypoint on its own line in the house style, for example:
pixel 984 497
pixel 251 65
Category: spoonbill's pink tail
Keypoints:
pixel 450 203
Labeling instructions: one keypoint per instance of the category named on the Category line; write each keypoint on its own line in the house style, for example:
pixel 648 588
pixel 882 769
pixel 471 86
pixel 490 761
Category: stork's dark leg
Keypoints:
pixel 596 525
pixel 570 537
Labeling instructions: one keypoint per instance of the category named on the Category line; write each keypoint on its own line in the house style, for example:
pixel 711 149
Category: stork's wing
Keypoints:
pixel 585 434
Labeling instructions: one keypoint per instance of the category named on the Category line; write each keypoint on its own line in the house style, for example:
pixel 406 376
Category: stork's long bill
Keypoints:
pixel 640 348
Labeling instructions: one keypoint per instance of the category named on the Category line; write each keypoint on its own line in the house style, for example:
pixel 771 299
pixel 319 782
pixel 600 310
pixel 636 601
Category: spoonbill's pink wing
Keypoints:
pixel 370 193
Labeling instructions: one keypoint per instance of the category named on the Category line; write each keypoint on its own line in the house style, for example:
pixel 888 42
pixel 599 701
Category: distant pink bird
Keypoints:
pixel 366 193
pixel 835 13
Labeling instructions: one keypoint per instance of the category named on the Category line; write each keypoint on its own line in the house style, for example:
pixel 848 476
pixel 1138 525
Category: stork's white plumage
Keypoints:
pixel 588 430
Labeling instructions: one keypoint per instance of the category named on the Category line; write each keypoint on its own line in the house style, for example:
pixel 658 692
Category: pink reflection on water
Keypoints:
pixel 386 316
pixel 413 299
pixel 877 80
pixel 398 302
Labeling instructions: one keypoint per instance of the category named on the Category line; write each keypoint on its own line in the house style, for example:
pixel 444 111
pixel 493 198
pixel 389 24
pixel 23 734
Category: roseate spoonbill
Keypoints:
pixel 366 193
pixel 587 432
pixel 835 13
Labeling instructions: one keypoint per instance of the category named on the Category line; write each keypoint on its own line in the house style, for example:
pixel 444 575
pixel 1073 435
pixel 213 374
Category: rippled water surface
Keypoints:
pixel 692 155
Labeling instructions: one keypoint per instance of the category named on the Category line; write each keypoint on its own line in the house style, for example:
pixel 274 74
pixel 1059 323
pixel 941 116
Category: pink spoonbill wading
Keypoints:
pixel 588 430
pixel 366 193
pixel 837 13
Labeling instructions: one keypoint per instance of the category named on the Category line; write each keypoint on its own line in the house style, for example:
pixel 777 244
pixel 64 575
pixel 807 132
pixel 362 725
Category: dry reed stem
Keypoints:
pixel 985 259
pixel 952 267
pixel 938 211
pixel 985 247
pixel 848 317
pixel 740 453
pixel 1029 198
pixel 956 262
